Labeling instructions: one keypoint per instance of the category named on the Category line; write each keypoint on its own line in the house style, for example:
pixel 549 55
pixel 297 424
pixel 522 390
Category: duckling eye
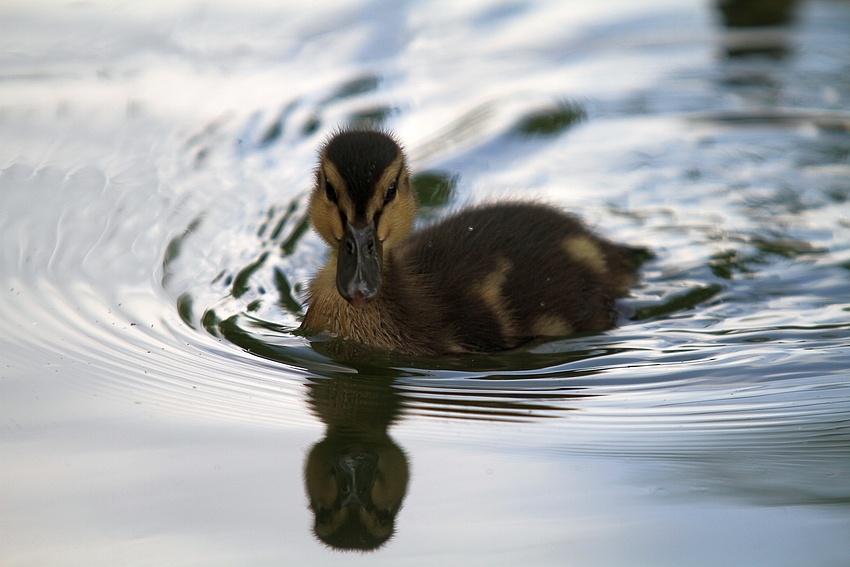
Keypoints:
pixel 323 516
pixel 391 191
pixel 330 192
pixel 384 518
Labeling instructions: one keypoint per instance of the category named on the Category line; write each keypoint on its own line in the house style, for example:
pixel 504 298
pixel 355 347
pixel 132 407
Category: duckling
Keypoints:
pixel 487 278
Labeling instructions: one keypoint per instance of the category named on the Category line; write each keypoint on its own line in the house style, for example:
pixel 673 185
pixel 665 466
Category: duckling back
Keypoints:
pixel 503 274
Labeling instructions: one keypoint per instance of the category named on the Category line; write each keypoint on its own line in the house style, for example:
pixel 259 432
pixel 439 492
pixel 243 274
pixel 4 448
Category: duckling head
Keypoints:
pixel 362 205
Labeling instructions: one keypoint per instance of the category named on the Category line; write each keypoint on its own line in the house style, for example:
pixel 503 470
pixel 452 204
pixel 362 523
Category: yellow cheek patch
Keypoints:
pixel 397 220
pixel 325 218
pixel 583 249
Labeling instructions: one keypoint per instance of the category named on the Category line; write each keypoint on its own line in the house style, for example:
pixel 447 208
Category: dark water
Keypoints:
pixel 155 407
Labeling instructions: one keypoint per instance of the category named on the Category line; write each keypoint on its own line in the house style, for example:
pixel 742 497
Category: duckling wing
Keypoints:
pixel 504 273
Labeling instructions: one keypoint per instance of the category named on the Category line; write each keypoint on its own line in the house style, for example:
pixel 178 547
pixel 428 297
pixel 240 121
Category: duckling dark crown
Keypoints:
pixel 361 157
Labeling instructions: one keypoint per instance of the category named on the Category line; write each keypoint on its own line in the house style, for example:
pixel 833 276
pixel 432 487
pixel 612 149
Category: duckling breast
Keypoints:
pixel 401 319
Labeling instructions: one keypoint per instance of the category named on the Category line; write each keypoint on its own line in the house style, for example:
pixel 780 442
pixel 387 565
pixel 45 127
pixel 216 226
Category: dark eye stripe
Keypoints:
pixel 330 192
pixel 391 192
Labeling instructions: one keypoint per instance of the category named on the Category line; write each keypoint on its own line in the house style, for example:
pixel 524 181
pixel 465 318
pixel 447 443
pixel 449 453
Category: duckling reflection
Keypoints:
pixel 488 278
pixel 356 477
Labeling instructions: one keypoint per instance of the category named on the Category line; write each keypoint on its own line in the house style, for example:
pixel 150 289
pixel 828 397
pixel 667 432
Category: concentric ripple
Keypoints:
pixel 155 249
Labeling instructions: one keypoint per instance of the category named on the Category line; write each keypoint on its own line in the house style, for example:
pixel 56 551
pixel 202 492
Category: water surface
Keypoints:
pixel 157 409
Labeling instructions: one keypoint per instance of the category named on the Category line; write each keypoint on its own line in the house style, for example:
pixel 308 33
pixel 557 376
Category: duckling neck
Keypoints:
pixel 394 320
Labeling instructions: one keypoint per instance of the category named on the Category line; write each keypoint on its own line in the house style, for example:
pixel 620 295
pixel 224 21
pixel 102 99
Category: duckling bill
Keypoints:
pixel 487 278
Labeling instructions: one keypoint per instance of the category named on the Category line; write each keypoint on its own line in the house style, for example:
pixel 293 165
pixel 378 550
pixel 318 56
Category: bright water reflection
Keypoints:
pixel 156 407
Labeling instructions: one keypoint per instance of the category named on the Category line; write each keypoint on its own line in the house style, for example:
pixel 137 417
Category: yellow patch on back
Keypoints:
pixel 624 282
pixel 551 326
pixel 490 291
pixel 586 251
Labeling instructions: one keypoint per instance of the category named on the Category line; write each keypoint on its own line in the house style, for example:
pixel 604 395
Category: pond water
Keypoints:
pixel 156 408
